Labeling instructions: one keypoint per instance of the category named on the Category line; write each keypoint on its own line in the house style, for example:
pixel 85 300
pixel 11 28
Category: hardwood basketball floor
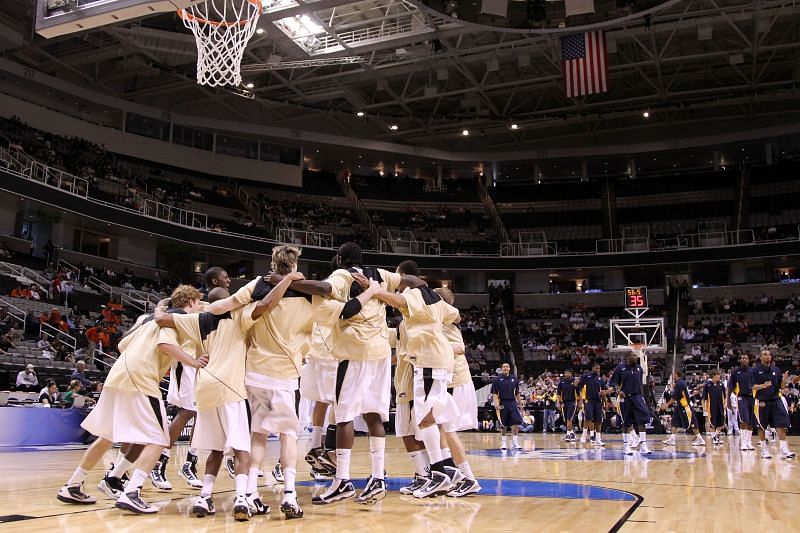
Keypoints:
pixel 551 486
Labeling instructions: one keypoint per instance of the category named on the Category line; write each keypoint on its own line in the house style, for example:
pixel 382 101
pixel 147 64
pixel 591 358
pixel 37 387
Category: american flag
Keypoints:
pixel 585 63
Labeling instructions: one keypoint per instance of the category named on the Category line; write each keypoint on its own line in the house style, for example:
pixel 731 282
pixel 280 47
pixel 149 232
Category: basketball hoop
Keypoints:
pixel 222 29
pixel 640 351
pixel 637 348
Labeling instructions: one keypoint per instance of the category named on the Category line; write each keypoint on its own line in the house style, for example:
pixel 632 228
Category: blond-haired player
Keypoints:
pixel 130 408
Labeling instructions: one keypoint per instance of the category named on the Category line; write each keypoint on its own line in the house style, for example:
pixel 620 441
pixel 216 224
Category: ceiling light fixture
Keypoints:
pixel 514 126
pixel 393 127
pixel 465 132
pixel 250 85
pixel 360 114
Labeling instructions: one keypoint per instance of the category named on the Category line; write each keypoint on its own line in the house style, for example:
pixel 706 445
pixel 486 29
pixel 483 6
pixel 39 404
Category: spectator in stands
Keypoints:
pixel 49 250
pixel 5 252
pixel 5 343
pixel 49 394
pixel 16 292
pixel 27 380
pixel 92 335
pixel 43 343
pixel 74 388
pixel 79 374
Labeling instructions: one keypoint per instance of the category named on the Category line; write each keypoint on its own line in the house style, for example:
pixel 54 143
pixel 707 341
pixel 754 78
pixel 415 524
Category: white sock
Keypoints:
pixel 377 450
pixel 241 484
pixel 316 437
pixel 446 453
pixel 466 470
pixel 431 437
pixel 643 436
pixel 137 479
pixel 252 480
pixel 596 436
pixel 120 467
pixel 343 463
pixel 625 438
pixel 748 435
pixel 420 463
pixel 763 443
pixel 784 446
pixel 289 475
pixel 593 433
pixel 78 477
pixel 166 451
pixel 586 432
pixel 208 486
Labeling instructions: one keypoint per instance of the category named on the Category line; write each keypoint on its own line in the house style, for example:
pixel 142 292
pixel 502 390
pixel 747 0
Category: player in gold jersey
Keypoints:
pixel 130 408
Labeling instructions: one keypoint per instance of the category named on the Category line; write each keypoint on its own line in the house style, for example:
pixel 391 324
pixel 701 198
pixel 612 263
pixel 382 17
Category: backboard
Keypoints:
pixel 62 17
pixel 646 331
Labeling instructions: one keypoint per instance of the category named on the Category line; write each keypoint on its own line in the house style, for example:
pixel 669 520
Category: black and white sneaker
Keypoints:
pixel 465 488
pixel 312 457
pixel 133 502
pixel 257 507
pixel 203 507
pixel 455 476
pixel 416 483
pixel 111 487
pixel 75 494
pixel 124 478
pixel 339 490
pixel 289 506
pixel 157 475
pixel 230 466
pixel 437 484
pixel 241 511
pixel 324 460
pixel 320 475
pixel 277 472
pixel 374 492
pixel 187 472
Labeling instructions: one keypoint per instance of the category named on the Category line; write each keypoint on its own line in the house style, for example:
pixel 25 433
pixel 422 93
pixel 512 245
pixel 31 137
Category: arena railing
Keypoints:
pixel 52 332
pixel 26 273
pixel 401 245
pixel 15 311
pixel 528 249
pixel 313 238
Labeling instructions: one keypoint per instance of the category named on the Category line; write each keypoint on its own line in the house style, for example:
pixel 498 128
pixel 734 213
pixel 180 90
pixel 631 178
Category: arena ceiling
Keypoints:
pixel 696 66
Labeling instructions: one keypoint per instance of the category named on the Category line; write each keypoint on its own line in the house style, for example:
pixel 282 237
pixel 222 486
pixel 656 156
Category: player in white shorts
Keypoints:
pixel 222 413
pixel 405 425
pixel 274 359
pixel 363 381
pixel 463 391
pixel 428 350
pixel 130 408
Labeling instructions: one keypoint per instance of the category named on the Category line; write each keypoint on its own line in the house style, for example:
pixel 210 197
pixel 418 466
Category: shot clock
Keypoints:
pixel 635 297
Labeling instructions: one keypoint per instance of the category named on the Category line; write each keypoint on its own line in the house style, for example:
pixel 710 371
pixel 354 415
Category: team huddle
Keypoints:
pixel 237 361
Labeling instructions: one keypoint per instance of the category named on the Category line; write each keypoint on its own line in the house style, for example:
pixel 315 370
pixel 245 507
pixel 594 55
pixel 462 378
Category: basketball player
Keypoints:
pixel 627 378
pixel 318 384
pixel 431 356
pixel 463 391
pixel 181 394
pixel 223 416
pixel 567 398
pixel 273 369
pixel 769 409
pixel 740 387
pixel 682 417
pixel 715 404
pixel 130 408
pixel 507 404
pixel 363 379
pixel 592 391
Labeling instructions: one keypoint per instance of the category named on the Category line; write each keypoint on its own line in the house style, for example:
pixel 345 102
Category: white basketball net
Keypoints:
pixel 640 350
pixel 222 29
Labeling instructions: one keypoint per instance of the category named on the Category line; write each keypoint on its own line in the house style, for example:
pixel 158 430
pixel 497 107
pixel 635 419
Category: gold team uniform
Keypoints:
pixel 130 408
pixel 318 377
pixel 222 415
pixel 274 357
pixel 361 347
pixel 430 353
pixel 462 388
